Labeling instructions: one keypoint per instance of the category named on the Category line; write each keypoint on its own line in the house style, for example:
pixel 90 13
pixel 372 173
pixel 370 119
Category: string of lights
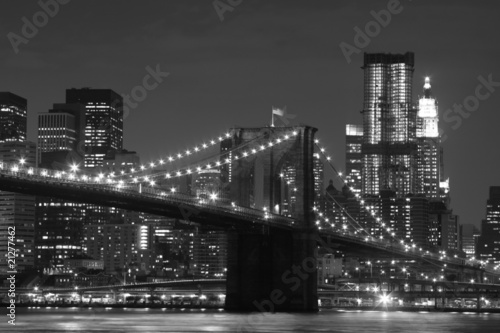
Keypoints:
pixel 217 163
pixel 369 208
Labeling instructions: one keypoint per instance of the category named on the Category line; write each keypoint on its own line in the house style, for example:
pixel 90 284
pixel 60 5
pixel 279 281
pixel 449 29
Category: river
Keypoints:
pixel 168 320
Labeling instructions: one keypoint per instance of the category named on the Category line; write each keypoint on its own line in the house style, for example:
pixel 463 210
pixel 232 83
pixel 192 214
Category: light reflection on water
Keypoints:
pixel 192 320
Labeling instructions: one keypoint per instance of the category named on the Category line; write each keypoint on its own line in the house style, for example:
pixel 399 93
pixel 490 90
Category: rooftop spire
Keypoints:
pixel 427 87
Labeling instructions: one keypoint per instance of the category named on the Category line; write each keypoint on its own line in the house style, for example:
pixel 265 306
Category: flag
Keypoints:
pixel 278 112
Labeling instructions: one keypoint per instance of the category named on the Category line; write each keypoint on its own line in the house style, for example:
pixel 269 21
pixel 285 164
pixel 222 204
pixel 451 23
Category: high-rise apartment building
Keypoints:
pixel 103 122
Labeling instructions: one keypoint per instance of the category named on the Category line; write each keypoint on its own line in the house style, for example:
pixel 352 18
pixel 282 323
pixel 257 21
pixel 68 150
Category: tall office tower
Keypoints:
pixel 103 122
pixel 489 241
pixel 59 223
pixel 13 110
pixel 18 210
pixel 353 158
pixel 389 125
pixel 469 236
pixel 209 244
pixel 429 149
pixel 61 136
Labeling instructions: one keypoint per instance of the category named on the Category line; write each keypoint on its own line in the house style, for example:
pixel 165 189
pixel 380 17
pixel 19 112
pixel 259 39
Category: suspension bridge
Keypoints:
pixel 266 205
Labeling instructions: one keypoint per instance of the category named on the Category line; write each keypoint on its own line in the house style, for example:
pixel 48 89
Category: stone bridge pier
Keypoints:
pixel 272 269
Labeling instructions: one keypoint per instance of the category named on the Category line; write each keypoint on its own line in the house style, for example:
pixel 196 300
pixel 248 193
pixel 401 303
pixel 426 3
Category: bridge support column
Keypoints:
pixel 272 272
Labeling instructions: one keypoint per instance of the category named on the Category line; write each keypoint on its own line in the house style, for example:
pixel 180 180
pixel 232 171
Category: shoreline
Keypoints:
pixel 220 307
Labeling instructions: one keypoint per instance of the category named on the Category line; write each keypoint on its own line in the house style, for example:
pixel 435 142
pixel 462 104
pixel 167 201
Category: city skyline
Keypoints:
pixel 250 165
pixel 307 72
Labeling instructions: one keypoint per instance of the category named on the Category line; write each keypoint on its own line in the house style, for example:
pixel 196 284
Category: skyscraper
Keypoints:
pixel 103 122
pixel 59 222
pixel 429 148
pixel 394 161
pixel 354 165
pixel 61 135
pixel 16 210
pixel 469 236
pixel 389 124
pixel 209 245
pixel 489 241
pixel 13 110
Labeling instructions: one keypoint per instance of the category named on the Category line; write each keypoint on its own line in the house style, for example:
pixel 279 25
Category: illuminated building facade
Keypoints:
pixel 58 231
pixel 469 236
pixel 103 122
pixel 121 247
pixel 318 171
pixel 429 145
pixel 59 223
pixel 209 256
pixel 489 241
pixel 394 160
pixel 354 157
pixel 389 125
pixel 206 184
pixel 18 210
pixel 13 111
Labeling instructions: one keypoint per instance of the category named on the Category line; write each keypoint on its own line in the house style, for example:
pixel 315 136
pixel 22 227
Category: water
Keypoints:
pixel 166 320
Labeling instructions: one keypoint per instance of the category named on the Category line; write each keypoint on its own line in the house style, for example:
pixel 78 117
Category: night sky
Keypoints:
pixel 263 54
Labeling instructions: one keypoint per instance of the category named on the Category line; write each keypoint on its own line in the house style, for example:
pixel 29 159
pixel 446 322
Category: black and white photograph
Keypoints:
pixel 249 166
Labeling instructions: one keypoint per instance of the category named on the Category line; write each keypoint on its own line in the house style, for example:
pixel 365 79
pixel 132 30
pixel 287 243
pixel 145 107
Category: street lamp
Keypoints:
pixel 371 271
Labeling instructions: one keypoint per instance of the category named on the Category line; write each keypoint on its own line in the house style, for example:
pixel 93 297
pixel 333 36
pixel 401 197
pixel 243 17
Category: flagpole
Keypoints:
pixel 272 117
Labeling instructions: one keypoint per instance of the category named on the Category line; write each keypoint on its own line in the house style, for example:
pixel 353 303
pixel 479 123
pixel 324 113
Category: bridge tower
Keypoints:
pixel 272 269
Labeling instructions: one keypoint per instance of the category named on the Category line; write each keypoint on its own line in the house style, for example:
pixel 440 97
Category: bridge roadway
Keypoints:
pixel 217 213
pixel 148 200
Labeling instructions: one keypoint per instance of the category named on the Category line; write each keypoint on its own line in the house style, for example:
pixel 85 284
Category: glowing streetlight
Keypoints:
pixel 22 161
pixel 74 167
